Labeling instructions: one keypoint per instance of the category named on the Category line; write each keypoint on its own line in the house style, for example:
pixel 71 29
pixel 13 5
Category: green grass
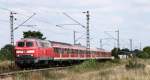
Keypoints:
pixel 91 65
pixel 6 66
pixel 87 66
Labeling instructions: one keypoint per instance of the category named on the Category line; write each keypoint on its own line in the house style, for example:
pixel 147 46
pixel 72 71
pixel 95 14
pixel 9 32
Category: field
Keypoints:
pixel 91 70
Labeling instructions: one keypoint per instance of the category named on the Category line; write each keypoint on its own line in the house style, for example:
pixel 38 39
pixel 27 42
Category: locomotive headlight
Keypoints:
pixel 19 51
pixel 30 51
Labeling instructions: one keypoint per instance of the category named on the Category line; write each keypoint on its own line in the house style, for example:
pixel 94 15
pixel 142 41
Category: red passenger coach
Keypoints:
pixel 33 51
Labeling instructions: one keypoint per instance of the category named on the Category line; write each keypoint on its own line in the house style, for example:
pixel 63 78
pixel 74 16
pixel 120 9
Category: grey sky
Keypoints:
pixel 131 17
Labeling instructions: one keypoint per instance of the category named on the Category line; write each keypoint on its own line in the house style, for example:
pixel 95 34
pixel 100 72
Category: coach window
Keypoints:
pixel 81 52
pixel 78 51
pixel 59 50
pixel 90 52
pixel 98 53
pixel 56 50
pixel 70 51
pixel 75 51
pixel 62 50
pixel 67 50
pixel 103 53
pixel 93 52
pixel 84 51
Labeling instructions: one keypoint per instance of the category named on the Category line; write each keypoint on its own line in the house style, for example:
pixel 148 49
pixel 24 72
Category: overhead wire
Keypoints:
pixel 41 20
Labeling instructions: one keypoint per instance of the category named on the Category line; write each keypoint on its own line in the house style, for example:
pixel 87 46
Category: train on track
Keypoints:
pixel 31 51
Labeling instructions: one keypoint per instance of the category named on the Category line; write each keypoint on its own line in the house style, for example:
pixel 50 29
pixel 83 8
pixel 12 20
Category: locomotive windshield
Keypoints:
pixel 23 44
pixel 29 44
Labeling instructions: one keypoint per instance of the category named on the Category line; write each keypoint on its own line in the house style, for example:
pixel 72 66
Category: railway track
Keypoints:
pixel 31 70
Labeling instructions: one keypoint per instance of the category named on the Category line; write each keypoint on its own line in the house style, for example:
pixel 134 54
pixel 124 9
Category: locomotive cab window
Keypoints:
pixel 29 44
pixel 21 44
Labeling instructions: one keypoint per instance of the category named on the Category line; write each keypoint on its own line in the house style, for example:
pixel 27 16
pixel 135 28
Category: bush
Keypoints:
pixel 115 52
pixel 86 65
pixel 6 53
pixel 89 64
pixel 143 55
pixel 134 65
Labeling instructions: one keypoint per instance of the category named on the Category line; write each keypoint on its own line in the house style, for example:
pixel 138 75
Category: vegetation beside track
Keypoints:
pixel 91 70
pixel 85 67
pixel 7 66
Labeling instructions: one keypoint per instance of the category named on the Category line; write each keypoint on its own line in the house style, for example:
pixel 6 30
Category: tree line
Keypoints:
pixel 144 54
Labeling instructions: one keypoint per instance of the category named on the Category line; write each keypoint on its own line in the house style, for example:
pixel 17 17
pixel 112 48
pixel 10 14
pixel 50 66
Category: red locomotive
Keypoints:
pixel 32 51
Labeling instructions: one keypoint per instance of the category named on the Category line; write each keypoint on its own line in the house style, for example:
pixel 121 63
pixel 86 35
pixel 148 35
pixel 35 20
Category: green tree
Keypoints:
pixel 7 52
pixel 33 34
pixel 147 49
pixel 115 52
pixel 143 54
pixel 124 51
pixel 137 51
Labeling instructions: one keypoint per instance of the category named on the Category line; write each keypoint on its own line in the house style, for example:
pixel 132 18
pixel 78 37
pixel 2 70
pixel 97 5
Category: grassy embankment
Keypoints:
pixel 84 71
pixel 6 66
pixel 91 70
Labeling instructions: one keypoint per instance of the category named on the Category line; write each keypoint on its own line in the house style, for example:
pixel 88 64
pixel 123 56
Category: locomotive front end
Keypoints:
pixel 25 51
